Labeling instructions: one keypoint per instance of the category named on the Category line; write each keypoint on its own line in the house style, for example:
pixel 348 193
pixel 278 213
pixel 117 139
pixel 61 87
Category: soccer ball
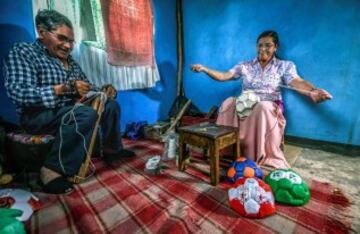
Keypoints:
pixel 251 197
pixel 288 187
pixel 243 167
pixel 245 102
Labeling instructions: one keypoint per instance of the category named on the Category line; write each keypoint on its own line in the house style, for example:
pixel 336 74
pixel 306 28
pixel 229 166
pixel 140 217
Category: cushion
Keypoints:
pixel 28 139
pixel 27 152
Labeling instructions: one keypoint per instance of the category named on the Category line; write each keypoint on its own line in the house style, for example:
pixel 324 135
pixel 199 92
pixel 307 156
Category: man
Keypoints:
pixel 41 79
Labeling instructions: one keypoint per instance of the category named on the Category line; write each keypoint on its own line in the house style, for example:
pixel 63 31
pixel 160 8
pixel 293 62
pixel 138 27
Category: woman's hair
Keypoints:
pixel 51 20
pixel 274 35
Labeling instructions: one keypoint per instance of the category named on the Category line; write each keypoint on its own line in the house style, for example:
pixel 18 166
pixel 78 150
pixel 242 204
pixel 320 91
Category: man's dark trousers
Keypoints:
pixel 65 123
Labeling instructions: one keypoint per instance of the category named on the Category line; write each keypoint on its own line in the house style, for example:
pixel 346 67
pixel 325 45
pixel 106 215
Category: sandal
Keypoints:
pixel 58 185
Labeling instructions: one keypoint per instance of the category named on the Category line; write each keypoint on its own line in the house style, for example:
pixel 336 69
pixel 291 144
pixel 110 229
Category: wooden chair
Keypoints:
pixel 212 138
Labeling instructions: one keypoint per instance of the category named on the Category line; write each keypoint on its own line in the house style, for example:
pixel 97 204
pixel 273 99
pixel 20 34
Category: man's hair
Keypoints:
pixel 50 20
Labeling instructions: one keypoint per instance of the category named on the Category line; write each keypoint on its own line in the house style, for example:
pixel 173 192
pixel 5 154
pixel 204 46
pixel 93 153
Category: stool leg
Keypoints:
pixel 182 151
pixel 214 165
pixel 237 155
pixel 205 153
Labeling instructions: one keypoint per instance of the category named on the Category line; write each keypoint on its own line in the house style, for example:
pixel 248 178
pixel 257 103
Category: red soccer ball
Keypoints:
pixel 251 197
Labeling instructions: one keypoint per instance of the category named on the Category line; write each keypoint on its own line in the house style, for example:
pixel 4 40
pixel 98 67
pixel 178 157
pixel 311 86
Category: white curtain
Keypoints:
pixel 94 60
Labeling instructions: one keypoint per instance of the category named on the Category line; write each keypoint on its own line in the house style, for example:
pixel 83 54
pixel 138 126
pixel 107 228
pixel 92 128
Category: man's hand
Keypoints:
pixel 109 90
pixel 59 89
pixel 320 95
pixel 82 87
pixel 78 86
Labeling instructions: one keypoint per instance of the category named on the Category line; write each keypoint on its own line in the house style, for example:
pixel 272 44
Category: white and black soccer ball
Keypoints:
pixel 245 103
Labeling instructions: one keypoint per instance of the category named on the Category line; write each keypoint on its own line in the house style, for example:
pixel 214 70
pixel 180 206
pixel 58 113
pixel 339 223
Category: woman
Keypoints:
pixel 262 132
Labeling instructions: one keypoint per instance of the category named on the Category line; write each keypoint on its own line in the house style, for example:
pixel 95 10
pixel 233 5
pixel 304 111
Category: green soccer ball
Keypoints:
pixel 288 187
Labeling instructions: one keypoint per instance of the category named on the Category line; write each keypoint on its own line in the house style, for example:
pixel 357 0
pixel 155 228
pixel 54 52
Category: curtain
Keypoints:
pixel 128 32
pixel 93 61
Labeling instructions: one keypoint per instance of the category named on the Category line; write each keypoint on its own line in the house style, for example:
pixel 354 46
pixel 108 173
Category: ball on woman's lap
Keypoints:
pixel 246 102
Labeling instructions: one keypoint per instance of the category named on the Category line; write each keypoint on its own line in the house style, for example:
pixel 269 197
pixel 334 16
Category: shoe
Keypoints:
pixel 111 158
pixel 58 185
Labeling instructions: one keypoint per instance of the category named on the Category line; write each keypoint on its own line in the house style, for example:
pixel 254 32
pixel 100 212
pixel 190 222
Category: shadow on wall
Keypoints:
pixel 10 34
pixel 151 104
pixel 165 90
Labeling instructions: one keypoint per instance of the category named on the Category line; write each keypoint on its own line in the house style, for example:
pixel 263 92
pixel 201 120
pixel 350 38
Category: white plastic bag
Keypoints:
pixel 170 147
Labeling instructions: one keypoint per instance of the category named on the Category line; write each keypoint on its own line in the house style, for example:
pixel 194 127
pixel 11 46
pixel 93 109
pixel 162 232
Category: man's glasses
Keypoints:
pixel 62 38
pixel 265 46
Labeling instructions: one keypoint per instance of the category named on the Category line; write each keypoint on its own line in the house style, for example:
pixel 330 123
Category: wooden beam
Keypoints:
pixel 178 117
pixel 179 87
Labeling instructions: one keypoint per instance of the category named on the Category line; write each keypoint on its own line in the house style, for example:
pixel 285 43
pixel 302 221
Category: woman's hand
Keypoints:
pixel 198 68
pixel 220 76
pixel 319 95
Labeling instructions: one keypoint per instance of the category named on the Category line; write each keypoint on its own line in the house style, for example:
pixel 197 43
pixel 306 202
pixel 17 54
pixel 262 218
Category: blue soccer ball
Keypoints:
pixel 243 167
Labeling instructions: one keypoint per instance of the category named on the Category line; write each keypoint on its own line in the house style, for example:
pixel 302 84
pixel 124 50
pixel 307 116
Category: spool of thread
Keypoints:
pixel 172 148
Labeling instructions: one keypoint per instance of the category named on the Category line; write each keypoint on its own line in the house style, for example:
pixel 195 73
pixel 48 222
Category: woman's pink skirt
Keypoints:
pixel 261 133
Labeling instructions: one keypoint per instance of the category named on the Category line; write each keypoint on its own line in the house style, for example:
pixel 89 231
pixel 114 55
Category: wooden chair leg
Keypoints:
pixel 214 165
pixel 182 152
pixel 205 153
pixel 238 153
pixel 282 145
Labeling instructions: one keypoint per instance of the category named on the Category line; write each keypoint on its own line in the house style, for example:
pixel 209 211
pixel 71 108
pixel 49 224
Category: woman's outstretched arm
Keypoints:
pixel 306 88
pixel 217 75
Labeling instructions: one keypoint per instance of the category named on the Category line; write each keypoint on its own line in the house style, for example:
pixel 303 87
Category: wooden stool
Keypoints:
pixel 209 137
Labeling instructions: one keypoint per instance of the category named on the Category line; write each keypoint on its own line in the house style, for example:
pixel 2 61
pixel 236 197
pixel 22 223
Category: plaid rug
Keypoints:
pixel 127 200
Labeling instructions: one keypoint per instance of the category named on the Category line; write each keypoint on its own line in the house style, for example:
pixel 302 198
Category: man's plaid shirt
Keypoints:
pixel 31 73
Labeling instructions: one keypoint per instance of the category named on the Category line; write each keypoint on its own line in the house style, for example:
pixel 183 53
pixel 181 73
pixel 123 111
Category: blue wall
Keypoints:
pixel 153 104
pixel 15 26
pixel 321 37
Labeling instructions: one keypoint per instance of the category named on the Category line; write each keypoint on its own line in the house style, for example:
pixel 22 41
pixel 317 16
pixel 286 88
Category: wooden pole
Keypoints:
pixel 178 117
pixel 179 88
pixel 98 105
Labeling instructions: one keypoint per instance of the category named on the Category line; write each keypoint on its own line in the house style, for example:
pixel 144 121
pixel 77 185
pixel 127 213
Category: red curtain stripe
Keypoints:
pixel 128 28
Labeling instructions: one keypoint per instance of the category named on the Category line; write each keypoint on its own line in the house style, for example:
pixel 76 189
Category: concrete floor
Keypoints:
pixel 338 169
